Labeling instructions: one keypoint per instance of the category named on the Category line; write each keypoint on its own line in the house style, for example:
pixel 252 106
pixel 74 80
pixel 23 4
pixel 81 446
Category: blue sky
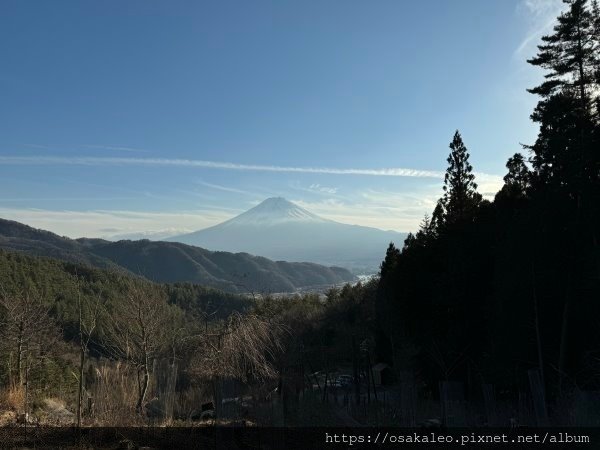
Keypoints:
pixel 122 117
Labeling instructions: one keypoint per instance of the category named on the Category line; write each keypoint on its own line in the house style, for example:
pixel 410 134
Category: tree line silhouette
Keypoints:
pixel 489 290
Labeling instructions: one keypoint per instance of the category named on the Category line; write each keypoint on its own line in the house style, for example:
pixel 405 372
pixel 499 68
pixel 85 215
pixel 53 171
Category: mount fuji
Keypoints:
pixel 281 230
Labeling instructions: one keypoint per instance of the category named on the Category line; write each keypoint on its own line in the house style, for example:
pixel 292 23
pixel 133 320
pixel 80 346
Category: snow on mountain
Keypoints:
pixel 274 211
pixel 280 230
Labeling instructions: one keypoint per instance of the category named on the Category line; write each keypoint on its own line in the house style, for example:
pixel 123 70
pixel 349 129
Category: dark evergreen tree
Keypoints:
pixel 557 150
pixel 564 152
pixel 410 241
pixel 461 199
pixel 386 302
pixel 489 291
pixel 426 231
pixel 570 55
pixel 391 260
pixel 518 179
pixel 438 217
pixel 426 234
pixel 566 162
pixel 596 19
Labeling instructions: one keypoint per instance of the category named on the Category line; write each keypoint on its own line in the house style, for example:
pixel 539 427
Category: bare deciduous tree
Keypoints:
pixel 88 313
pixel 137 331
pixel 28 332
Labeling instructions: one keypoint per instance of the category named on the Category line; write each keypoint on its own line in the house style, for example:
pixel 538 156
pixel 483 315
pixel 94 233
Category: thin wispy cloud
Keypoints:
pixel 541 15
pixel 116 223
pixel 117 148
pixel 44 147
pixel 195 163
pixel 316 187
pixel 62 199
pixel 219 187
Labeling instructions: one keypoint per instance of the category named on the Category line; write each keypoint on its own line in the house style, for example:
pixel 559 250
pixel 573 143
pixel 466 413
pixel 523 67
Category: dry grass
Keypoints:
pixel 13 398
pixel 7 418
pixel 114 395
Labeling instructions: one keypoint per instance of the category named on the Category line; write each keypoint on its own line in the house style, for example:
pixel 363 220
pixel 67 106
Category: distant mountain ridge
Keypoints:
pixel 281 230
pixel 174 262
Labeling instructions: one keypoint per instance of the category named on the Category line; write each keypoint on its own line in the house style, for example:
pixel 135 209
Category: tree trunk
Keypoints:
pixel 20 355
pixel 372 378
pixel 538 335
pixel 80 393
pixel 355 370
pixel 26 399
pixel 218 396
pixel 580 63
pixel 144 388
pixel 10 370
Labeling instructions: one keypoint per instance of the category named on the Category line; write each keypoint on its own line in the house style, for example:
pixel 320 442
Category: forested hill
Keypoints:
pixel 59 284
pixel 170 262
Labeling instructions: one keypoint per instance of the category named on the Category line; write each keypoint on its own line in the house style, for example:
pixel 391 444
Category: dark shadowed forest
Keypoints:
pixel 505 293
pixel 487 315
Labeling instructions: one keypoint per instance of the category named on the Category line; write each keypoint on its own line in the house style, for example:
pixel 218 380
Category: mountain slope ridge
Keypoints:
pixel 173 262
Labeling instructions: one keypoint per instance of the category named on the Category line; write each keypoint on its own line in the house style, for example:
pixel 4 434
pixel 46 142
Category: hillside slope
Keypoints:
pixel 169 262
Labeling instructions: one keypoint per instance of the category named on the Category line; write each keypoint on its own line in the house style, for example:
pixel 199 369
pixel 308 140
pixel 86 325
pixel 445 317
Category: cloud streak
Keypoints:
pixel 202 164
pixel 116 223
pixel 219 187
pixel 117 148
pixel 541 15
pixel 316 187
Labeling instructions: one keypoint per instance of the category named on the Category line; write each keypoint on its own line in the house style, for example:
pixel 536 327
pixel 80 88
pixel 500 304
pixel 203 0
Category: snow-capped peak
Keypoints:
pixel 272 211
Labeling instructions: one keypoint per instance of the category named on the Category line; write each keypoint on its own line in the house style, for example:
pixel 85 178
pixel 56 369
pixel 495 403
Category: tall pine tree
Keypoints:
pixel 571 55
pixel 564 153
pixel 461 199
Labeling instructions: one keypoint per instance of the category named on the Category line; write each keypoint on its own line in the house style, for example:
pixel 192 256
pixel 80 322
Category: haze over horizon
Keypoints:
pixel 185 115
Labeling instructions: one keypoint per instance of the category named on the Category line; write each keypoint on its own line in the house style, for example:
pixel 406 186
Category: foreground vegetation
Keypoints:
pixel 95 347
